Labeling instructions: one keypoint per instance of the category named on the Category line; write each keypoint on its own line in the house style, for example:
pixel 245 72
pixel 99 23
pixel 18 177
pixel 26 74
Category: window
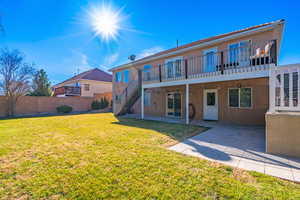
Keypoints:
pixel 210 60
pixel 126 76
pixel 239 53
pixel 147 72
pixel 211 99
pixel 233 53
pixel 234 97
pixel 87 87
pixel 240 97
pixel 147 99
pixel 170 70
pixel 174 67
pixel 178 68
pixel 245 98
pixel 118 76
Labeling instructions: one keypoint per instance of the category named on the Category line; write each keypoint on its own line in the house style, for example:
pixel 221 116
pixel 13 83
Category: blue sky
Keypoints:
pixel 56 35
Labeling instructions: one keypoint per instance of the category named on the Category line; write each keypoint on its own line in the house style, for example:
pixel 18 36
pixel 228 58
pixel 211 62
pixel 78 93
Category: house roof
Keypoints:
pixel 202 41
pixel 93 74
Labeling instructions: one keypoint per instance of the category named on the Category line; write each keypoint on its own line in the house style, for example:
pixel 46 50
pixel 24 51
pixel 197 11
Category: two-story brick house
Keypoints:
pixel 222 78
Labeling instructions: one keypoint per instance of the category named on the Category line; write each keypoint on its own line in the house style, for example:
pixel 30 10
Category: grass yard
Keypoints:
pixel 96 156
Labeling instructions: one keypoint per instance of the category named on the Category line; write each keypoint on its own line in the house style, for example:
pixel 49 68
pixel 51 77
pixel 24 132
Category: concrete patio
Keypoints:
pixel 238 146
pixel 242 147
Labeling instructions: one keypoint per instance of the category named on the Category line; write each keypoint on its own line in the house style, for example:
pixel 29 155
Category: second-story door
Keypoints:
pixel 239 54
pixel 210 60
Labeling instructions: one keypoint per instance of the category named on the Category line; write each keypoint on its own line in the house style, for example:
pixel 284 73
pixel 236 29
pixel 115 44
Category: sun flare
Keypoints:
pixel 105 21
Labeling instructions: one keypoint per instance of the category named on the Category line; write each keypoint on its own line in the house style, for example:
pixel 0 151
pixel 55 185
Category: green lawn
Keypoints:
pixel 97 156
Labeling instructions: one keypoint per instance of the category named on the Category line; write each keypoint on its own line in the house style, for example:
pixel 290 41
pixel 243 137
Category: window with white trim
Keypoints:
pixel 118 77
pixel 174 67
pixel 147 72
pixel 239 53
pixel 86 87
pixel 126 76
pixel 147 99
pixel 240 97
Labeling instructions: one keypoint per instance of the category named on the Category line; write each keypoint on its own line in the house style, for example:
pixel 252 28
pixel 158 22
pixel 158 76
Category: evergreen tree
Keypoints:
pixel 41 84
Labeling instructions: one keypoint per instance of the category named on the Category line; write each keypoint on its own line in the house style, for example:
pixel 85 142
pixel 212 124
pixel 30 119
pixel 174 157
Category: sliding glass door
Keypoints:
pixel 173 104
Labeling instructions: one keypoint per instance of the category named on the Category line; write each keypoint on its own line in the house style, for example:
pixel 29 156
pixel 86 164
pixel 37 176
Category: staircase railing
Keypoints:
pixel 127 93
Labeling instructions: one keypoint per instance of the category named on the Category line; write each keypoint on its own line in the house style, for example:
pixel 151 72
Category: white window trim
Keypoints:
pixel 147 72
pixel 85 86
pixel 123 75
pixel 181 106
pixel 116 80
pixel 239 44
pixel 173 66
pixel 239 106
pixel 204 52
pixel 150 102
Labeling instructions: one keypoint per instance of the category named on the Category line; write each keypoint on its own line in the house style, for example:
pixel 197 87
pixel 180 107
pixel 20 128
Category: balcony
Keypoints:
pixel 241 58
pixel 67 91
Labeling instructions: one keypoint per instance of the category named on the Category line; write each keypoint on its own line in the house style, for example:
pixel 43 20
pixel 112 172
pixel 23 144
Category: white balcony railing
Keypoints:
pixel 285 88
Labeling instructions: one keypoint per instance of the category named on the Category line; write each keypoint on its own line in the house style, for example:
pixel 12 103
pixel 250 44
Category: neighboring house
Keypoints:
pixel 91 83
pixel 222 78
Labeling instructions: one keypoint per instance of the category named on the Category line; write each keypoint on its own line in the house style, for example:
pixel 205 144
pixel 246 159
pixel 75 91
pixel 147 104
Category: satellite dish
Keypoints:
pixel 132 57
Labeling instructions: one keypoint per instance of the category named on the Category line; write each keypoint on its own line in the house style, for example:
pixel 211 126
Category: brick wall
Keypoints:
pixel 35 105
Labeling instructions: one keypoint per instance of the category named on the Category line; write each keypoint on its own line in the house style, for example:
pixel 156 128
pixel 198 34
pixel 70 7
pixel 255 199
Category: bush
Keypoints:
pixel 64 109
pixel 103 103
pixel 95 105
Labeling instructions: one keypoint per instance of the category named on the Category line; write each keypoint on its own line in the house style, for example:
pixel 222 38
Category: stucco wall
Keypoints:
pixel 245 116
pixel 283 133
pixel 96 87
pixel 35 105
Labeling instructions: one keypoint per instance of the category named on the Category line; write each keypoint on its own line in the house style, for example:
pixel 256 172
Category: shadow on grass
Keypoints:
pixel 177 132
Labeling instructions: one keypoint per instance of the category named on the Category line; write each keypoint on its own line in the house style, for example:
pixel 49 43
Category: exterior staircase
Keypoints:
pixel 129 97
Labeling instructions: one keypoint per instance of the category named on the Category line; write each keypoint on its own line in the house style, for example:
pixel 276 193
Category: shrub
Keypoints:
pixel 95 105
pixel 103 103
pixel 64 109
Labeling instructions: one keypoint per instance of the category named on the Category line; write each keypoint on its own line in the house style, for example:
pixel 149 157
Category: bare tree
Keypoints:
pixel 15 77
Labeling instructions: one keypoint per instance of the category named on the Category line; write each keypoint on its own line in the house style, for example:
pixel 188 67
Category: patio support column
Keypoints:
pixel 187 103
pixel 142 103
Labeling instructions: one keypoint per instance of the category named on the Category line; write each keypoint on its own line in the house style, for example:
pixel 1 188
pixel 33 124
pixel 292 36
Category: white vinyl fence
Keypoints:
pixel 285 88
